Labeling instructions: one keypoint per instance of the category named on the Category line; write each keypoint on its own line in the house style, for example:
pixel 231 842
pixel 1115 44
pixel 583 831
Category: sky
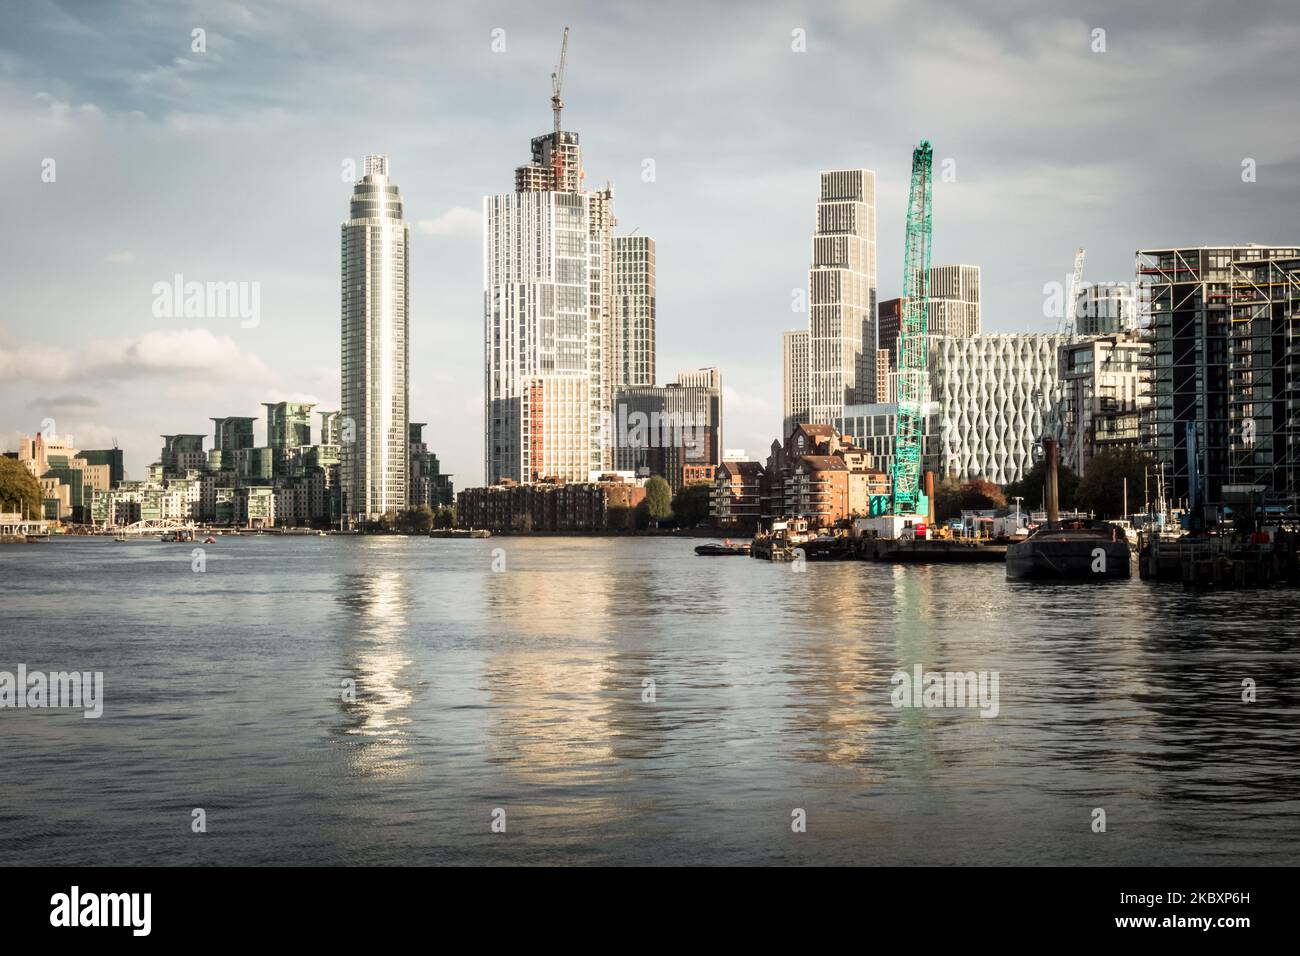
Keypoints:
pixel 227 164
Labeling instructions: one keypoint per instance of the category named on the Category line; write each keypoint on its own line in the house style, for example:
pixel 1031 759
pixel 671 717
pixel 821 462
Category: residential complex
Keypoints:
pixel 606 505
pixel 1103 387
pixel 662 431
pixel 375 348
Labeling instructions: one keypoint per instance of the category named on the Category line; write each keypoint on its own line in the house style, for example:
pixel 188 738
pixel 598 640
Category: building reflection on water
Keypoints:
pixel 375 606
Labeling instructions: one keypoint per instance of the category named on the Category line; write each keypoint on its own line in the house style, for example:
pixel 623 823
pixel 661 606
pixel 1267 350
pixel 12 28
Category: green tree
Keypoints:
pixel 658 499
pixel 981 495
pixel 19 491
pixel 445 517
pixel 1030 487
pixel 1102 488
pixel 691 503
pixel 947 500
pixel 418 520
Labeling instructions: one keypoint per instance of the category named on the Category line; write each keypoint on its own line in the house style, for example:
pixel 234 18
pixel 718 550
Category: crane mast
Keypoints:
pixel 557 81
pixel 912 336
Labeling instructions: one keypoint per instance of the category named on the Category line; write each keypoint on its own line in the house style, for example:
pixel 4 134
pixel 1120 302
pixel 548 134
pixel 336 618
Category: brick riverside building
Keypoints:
pixel 737 497
pixel 821 476
pixel 608 505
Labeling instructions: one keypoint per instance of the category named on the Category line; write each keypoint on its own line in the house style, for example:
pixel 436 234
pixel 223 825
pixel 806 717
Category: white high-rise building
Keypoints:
pixel 374 413
pixel 842 295
pixel 547 287
pixel 631 346
pixel 954 301
pixel 794 379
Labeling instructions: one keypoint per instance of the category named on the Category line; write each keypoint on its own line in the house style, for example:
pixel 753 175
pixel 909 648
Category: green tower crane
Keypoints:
pixel 912 335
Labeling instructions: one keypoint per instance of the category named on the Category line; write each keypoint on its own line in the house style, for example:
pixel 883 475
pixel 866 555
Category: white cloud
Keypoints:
pixel 123 258
pixel 457 221
pixel 191 354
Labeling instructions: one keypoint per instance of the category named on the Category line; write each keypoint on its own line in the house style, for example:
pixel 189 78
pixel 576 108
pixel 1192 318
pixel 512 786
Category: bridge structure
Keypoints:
pixel 154 525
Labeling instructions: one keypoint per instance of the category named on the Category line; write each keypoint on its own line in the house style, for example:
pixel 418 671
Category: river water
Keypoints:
pixel 624 701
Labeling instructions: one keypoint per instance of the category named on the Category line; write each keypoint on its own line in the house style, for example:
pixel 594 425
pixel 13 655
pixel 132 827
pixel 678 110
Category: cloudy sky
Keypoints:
pixel 226 165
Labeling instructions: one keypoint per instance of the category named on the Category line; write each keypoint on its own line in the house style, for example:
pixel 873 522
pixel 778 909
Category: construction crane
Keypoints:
pixel 557 104
pixel 1070 310
pixel 557 81
pixel 912 336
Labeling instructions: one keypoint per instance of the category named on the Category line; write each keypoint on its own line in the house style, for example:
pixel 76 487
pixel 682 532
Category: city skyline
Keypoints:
pixel 96 360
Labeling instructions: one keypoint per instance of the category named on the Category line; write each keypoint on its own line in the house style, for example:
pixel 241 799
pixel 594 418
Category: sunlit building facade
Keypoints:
pixel 375 347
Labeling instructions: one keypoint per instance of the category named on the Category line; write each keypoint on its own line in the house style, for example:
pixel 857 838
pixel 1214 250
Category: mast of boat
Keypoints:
pixel 1052 490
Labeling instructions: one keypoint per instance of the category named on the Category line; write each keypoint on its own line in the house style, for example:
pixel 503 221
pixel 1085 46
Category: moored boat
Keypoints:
pixel 721 550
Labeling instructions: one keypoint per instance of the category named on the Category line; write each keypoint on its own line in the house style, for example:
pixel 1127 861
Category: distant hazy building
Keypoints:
pixel 954 300
pixel 954 308
pixel 662 431
pixel 794 379
pixel 429 486
pixel 375 346
pixel 1105 309
pixel 631 349
pixel 842 294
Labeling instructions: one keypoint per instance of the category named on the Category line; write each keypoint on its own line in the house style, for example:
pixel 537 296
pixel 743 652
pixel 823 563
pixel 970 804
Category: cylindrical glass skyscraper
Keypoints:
pixel 374 412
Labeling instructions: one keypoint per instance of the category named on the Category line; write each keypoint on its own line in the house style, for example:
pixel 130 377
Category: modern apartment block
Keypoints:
pixel 1104 387
pixel 954 300
pixel 230 435
pixel 375 346
pixel 996 396
pixel 794 379
pixel 547 256
pixel 1205 369
pixel 1105 309
pixel 429 486
pixel 874 429
pixel 631 347
pixel 842 294
pixel 288 424
pixel 664 431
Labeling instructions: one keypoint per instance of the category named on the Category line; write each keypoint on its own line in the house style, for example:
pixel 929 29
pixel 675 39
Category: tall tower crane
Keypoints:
pixel 557 81
pixel 913 334
pixel 1070 311
pixel 557 104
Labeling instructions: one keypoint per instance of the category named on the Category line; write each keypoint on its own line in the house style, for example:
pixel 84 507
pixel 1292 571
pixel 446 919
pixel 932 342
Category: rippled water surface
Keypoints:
pixel 524 689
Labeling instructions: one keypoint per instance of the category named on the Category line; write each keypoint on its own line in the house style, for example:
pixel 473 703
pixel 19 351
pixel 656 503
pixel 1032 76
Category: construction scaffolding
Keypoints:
pixel 1185 307
pixel 1264 379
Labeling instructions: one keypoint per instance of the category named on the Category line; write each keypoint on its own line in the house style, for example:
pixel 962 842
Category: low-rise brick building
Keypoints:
pixel 606 505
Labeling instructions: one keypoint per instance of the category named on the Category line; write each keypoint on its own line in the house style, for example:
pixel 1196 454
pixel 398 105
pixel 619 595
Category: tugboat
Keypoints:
pixel 1079 550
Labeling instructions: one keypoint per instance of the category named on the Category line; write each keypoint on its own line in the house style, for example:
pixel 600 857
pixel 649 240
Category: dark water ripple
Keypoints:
pixel 523 690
